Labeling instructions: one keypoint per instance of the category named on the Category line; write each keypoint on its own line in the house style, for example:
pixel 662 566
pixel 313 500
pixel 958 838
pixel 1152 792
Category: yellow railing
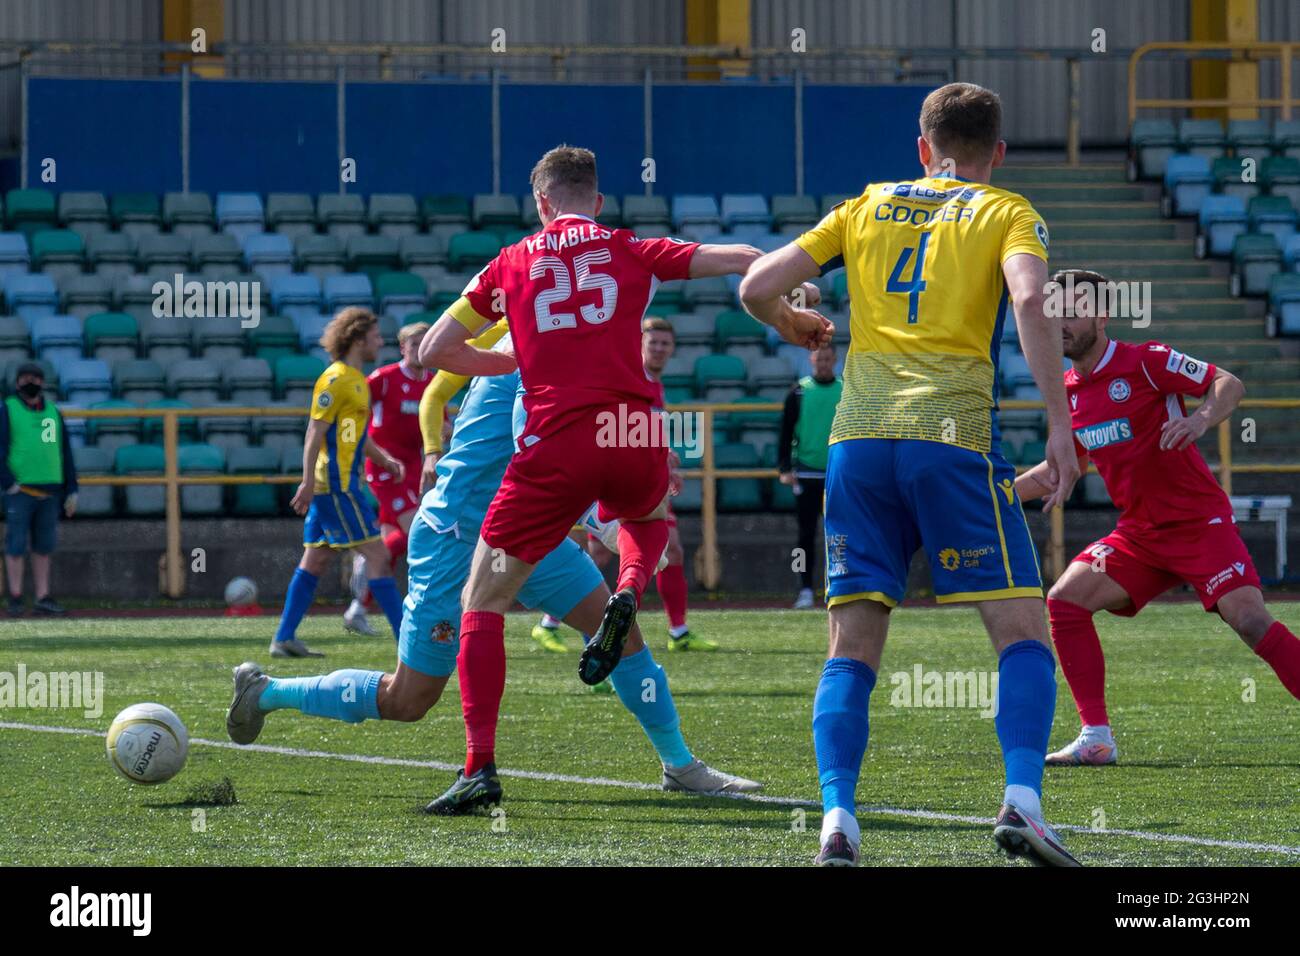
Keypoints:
pixel 1253 51
pixel 710 574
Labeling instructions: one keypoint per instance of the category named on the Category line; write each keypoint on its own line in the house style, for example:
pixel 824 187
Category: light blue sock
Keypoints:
pixel 385 592
pixel 1026 706
pixel 296 601
pixel 348 695
pixel 642 686
pixel 840 728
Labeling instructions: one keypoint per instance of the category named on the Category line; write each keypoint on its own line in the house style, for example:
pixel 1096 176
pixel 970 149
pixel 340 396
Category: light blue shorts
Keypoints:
pixel 438 565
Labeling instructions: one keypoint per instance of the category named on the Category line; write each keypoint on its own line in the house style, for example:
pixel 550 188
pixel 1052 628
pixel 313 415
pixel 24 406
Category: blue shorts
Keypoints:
pixel 887 497
pixel 438 564
pixel 341 519
pixel 27 516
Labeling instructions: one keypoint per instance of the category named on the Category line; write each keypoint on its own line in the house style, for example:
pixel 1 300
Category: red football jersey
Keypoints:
pixel 1116 412
pixel 395 410
pixel 575 295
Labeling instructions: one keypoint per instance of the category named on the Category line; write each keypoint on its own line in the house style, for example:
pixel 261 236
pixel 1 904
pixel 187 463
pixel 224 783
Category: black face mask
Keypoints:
pixel 30 390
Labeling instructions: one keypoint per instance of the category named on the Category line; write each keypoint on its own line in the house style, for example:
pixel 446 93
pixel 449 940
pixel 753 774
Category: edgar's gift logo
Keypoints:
pixel 74 909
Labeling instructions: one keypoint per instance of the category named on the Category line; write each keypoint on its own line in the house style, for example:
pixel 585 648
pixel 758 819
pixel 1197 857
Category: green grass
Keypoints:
pixel 1197 759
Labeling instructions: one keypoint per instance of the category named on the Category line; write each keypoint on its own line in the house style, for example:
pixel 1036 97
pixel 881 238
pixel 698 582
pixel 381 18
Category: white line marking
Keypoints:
pixel 634 785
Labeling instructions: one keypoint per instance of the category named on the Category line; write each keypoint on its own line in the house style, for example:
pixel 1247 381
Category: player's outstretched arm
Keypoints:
pixel 715 259
pixel 763 291
pixel 1040 339
pixel 447 346
pixel 1225 393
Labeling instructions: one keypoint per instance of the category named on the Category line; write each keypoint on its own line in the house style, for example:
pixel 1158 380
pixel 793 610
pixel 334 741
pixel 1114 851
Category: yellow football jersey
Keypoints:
pixel 342 398
pixel 927 304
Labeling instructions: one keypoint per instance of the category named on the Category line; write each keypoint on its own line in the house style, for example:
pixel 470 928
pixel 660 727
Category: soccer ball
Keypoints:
pixel 241 592
pixel 147 743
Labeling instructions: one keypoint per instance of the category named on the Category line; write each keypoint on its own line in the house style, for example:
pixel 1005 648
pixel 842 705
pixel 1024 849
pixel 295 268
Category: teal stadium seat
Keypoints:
pixel 188 214
pixel 394 214
pixel 196 460
pixel 254 500
pixel 111 336
pixel 93 501
pixel 290 214
pixel 139 461
pixel 341 215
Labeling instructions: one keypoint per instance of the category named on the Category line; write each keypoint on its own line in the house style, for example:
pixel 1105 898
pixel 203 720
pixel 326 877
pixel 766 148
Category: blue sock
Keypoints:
pixel 348 695
pixel 840 729
pixel 642 686
pixel 1026 706
pixel 301 590
pixel 385 592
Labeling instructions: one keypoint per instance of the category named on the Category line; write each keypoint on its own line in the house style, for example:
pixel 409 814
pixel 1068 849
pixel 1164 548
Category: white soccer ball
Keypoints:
pixel 241 592
pixel 147 743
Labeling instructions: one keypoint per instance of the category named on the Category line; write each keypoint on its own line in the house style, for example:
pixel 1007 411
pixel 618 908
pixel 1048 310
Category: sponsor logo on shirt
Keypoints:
pixel 1040 230
pixel 1237 568
pixel 1102 434
pixel 1186 366
pixel 1119 390
pixel 324 400
pixel 409 406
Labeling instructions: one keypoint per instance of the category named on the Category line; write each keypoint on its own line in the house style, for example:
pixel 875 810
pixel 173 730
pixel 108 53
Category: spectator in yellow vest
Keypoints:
pixel 38 476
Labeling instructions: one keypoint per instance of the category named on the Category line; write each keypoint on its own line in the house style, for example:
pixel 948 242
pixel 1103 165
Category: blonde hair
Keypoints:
pixel 345 329
pixel 408 331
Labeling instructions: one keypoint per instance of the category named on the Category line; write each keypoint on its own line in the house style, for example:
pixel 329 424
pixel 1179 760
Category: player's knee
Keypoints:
pixel 1250 622
pixel 1065 592
pixel 675 553
pixel 410 704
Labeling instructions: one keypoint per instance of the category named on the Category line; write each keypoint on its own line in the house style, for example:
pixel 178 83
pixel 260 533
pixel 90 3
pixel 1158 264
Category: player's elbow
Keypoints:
pixel 758 287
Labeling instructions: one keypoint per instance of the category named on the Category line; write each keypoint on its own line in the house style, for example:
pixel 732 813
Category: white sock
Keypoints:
pixel 356 607
pixel 1025 800
pixel 1098 733
pixel 837 818
pixel 549 622
pixel 677 631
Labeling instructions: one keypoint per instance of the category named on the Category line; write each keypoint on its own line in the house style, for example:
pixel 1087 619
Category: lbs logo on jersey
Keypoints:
pixel 1119 390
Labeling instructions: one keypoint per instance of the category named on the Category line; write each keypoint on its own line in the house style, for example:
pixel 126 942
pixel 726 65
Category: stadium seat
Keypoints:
pixel 56 338
pixel 472 250
pixel 110 434
pixel 798 211
pixel 1255 258
pixel 499 210
pixel 290 214
pixel 216 253
pixel 93 501
pixel 1272 215
pixel 151 429
pixel 139 381
pixel 254 499
pixel 1187 183
pixel 14 256
pixel 111 254
pixel 269 255
pixel 240 214
pixel 372 255
pixel 136 214
pixel 1152 142
pixel 1227 173
pixel 713 290
pixel 30 210
pixel 529 214
pixel 394 214
pixel 85 381
pixel 196 460
pixel 421 250
pixel 695 329
pixel 319 256
pixel 164 252
pixel 85 213
pixel 247 381
pixel 84 294
pixel 283 434
pixel 188 214
pixel 196 382
pixel 1222 219
pixel 399 294
pixel 745 209
pixel 298 293
pixel 295 377
pixel 1286 138
pixel 1284 304
pixel 15 341
pixel 445 209
pixel 220 339
pixel 611 213
pixel 111 336
pixel 1291 254
pixel 1202 137
pixel 1280 176
pixel 642 211
pixel 720 378
pixel 753 234
pixel 770 378
pixel 165 339
pixel 1251 139
pixel 274 336
pixel 738 494
pixel 139 460
pixel 341 215
pixel 695 214
pixel 310 329
pixel 134 293
pixel 57 252
pixel 757 429
pixel 740 334
pixel 348 289
pixel 679 372
pixel 226 432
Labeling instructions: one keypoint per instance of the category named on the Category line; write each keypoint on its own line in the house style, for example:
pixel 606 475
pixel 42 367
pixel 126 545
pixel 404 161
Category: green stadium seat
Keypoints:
pixel 738 494
pixel 720 378
pixel 86 213
pixel 1255 258
pixel 445 209
pixel 30 210
pixel 394 214
pixel 714 290
pixel 1250 138
pixel 295 377
pixel 254 499
pixel 139 381
pixel 1273 215
pixel 137 461
pixel 291 214
pixel 501 210
pixel 399 294
pixel 372 255
pixel 273 337
pixel 57 252
pixel 1286 138
pixel 136 214
pixel 740 334
pixel 342 215
pixel 164 252
pixel 421 250
pixel 472 250
pixel 1227 174
pixel 678 394
pixel 111 336
pixel 152 428
pixel 194 460
pixel 188 214
pixel 1280 176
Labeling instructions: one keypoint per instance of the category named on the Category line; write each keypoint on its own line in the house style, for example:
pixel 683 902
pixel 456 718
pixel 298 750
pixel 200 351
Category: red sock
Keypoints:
pixel 1280 649
pixel 395 542
pixel 1082 662
pixel 481 666
pixel 640 546
pixel 671 582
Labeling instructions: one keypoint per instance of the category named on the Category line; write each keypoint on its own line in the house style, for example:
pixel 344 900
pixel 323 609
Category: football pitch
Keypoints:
pixel 1209 747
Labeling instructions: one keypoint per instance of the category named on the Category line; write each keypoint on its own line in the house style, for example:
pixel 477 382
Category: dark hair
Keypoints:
pixel 963 122
pixel 1080 277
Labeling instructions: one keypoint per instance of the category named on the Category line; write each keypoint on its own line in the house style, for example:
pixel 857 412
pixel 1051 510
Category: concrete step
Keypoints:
pixel 1122 247
pixel 1193 330
pixel 1210 310
pixel 1144 270
pixel 1045 193
pixel 1106 230
pixel 1062 212
pixel 1006 176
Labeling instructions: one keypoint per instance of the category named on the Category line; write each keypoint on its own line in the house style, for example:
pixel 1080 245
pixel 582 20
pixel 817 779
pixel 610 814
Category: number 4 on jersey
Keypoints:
pixel 914 286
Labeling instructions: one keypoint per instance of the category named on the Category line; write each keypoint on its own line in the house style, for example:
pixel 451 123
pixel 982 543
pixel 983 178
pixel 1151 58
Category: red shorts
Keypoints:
pixel 1211 558
pixel 551 481
pixel 395 497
